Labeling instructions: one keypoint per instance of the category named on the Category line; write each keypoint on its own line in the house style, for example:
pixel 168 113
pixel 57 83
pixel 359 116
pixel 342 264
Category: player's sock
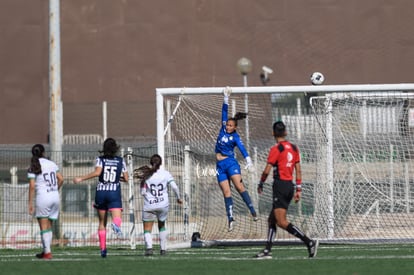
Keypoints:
pixel 228 202
pixel 42 238
pixel 147 239
pixel 298 233
pixel 117 221
pixel 46 240
pixel 246 198
pixel 102 239
pixel 163 238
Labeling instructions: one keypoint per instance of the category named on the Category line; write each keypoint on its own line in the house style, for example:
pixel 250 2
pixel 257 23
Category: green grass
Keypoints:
pixel 331 259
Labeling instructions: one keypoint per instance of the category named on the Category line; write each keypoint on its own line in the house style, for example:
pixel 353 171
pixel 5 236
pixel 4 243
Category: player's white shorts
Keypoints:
pixel 47 206
pixel 159 214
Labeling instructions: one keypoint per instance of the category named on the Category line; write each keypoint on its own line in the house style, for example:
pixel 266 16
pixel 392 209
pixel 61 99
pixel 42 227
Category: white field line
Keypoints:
pixel 216 254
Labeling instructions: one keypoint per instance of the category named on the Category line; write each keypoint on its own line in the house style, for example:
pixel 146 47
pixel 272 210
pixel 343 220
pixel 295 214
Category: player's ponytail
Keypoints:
pixel 145 172
pixel 37 152
pixel 238 116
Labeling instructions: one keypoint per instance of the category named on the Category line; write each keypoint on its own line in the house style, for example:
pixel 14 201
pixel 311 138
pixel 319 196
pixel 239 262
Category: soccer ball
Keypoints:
pixel 317 78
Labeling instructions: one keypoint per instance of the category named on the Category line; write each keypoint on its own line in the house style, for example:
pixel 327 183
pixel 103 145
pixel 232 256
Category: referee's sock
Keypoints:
pixel 271 233
pixel 295 231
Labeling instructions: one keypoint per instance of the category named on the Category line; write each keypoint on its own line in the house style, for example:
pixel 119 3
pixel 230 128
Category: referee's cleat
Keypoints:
pixel 264 254
pixel 313 248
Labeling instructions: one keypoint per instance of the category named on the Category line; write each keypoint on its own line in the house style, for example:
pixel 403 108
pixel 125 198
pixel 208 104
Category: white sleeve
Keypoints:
pixel 174 187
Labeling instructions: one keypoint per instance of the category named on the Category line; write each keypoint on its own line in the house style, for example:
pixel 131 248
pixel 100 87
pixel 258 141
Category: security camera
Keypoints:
pixel 267 70
pixel 264 76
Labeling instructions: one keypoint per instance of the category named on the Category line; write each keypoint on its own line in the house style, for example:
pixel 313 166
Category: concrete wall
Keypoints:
pixel 119 51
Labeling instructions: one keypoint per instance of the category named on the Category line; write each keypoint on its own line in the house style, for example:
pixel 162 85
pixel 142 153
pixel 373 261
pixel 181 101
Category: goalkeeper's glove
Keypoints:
pixel 227 93
pixel 249 164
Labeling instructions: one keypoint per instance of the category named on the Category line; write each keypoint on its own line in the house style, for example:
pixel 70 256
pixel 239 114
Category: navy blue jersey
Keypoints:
pixel 112 169
pixel 226 142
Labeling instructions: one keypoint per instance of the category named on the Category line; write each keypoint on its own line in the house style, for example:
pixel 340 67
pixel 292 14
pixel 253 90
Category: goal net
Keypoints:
pixel 357 155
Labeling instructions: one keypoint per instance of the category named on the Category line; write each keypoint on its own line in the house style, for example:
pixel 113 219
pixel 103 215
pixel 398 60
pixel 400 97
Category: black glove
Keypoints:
pixel 260 187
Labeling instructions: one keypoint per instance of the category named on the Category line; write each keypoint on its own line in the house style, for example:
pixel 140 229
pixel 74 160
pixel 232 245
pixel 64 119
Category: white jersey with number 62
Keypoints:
pixel 155 191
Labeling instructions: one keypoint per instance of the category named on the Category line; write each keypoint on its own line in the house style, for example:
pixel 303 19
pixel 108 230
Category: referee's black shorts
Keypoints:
pixel 283 192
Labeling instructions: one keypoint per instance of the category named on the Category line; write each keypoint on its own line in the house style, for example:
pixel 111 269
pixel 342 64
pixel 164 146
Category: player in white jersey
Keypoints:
pixel 154 183
pixel 45 181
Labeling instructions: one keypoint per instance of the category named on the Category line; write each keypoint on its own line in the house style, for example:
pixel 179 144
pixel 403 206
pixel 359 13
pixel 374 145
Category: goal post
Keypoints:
pixel 357 156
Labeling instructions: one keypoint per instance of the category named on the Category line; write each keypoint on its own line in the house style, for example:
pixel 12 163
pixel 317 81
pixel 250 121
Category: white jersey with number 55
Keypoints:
pixel 155 191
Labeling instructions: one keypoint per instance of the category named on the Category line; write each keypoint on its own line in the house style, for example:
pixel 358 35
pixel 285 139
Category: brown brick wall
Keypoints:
pixel 120 51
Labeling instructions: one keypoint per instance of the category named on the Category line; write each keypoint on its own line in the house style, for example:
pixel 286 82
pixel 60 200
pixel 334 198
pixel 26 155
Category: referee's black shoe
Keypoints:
pixel 313 248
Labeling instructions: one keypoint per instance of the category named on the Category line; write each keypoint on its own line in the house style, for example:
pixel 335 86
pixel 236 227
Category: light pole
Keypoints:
pixel 245 66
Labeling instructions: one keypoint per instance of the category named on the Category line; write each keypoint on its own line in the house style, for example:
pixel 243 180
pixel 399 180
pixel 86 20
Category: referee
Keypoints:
pixel 284 158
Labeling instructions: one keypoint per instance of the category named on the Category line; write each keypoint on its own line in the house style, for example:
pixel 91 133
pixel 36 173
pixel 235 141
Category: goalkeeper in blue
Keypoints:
pixel 227 166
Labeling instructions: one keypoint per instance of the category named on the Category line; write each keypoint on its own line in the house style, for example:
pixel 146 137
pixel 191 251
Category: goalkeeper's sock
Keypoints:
pixel 102 239
pixel 117 221
pixel 246 198
pixel 163 238
pixel 292 229
pixel 147 239
pixel 229 207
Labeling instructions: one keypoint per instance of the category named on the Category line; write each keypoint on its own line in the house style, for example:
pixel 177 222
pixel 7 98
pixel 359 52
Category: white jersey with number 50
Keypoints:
pixel 155 191
pixel 46 182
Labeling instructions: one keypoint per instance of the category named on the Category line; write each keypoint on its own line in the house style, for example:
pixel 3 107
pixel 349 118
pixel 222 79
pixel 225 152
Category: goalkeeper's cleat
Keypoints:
pixel 149 252
pixel 163 252
pixel 116 230
pixel 47 256
pixel 264 254
pixel 231 225
pixel 103 253
pixel 313 248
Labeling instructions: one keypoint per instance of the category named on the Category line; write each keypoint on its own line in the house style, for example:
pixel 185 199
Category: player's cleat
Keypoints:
pixel 47 256
pixel 103 253
pixel 163 252
pixel 149 252
pixel 116 230
pixel 265 254
pixel 313 248
pixel 231 225
pixel 40 255
pixel 255 218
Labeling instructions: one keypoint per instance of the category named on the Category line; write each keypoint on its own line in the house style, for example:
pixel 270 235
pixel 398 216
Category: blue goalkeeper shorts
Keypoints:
pixel 226 168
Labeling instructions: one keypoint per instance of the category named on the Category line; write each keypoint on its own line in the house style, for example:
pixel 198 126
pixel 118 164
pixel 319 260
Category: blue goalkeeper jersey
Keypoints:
pixel 226 142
